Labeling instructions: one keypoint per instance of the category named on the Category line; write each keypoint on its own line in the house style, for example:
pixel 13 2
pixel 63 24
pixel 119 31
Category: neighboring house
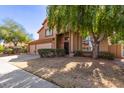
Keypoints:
pixel 70 41
pixel 1 42
pixel 10 44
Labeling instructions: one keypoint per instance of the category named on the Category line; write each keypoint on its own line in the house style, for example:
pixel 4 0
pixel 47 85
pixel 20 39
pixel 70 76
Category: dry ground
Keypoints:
pixel 76 71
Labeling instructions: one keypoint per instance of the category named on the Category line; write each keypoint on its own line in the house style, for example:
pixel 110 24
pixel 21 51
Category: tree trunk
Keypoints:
pixel 95 50
pixel 15 44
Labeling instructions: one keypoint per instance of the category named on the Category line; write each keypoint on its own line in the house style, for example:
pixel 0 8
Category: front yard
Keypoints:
pixel 76 71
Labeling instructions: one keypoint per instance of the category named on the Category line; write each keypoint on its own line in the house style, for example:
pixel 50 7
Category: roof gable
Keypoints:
pixel 42 24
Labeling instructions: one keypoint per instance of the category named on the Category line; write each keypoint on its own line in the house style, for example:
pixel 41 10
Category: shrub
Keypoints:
pixel 106 55
pixel 8 51
pixel 51 52
pixel 16 50
pixel 1 48
pixel 60 52
pixel 80 53
pixel 103 55
pixel 23 50
pixel 87 54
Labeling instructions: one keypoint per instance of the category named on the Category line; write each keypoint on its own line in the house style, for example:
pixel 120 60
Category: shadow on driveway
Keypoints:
pixel 22 79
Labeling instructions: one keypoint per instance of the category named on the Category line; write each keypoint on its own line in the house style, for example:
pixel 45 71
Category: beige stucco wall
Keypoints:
pixel 42 32
pixel 75 42
pixel 60 41
pixel 104 45
pixel 32 49
pixel 46 45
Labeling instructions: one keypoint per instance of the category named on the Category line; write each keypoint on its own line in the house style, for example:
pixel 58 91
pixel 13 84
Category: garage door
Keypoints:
pixel 32 49
pixel 42 46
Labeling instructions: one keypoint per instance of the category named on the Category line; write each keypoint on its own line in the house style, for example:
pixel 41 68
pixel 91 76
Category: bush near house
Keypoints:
pixel 24 49
pixel 8 51
pixel 80 53
pixel 60 52
pixel 46 52
pixel 103 55
pixel 12 50
pixel 51 52
pixel 106 55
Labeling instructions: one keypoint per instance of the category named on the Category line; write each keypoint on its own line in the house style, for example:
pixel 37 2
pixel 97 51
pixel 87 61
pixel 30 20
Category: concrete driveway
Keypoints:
pixel 14 77
pixel 17 58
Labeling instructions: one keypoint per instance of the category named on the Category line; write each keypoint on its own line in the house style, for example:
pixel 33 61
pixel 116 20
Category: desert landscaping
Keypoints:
pixel 76 72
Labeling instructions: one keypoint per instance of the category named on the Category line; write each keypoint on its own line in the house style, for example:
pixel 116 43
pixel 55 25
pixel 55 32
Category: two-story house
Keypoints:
pixel 70 41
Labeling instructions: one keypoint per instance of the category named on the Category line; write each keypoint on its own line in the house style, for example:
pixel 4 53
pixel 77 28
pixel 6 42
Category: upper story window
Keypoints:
pixel 48 32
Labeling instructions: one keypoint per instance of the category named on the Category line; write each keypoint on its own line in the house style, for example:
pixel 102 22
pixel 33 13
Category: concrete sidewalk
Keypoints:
pixel 14 77
pixel 120 62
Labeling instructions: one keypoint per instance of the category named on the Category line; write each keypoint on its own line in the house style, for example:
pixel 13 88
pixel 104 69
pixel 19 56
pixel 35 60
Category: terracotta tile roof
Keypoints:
pixel 41 41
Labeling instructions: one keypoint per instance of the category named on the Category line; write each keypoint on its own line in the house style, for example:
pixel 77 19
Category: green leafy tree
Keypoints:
pixel 100 22
pixel 1 48
pixel 118 38
pixel 13 32
pixel 3 33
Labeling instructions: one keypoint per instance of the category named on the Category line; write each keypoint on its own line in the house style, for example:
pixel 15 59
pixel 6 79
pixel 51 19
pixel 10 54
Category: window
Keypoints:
pixel 86 44
pixel 122 51
pixel 48 32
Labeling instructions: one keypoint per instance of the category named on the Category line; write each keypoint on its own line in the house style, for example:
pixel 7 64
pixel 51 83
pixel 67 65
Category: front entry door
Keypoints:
pixel 66 47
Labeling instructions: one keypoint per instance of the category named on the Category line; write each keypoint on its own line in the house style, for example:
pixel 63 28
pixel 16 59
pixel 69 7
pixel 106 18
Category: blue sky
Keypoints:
pixel 30 16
